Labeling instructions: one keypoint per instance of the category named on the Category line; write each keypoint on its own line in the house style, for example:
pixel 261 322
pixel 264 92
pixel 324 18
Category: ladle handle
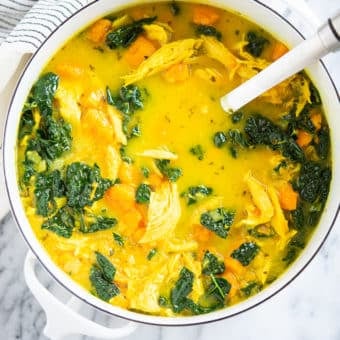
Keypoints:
pixel 326 40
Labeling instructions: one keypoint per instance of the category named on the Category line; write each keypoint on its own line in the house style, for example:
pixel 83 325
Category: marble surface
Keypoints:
pixel 308 309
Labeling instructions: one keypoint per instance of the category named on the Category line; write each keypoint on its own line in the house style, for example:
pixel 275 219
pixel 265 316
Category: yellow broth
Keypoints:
pixel 147 243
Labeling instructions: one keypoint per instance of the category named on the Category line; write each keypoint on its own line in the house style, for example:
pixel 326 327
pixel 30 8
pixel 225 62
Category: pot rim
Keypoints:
pixel 134 316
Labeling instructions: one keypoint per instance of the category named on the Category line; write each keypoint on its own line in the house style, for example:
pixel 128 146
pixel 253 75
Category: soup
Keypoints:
pixel 142 189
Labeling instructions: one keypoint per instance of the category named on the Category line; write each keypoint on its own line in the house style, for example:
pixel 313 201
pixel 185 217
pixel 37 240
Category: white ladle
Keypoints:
pixel 326 40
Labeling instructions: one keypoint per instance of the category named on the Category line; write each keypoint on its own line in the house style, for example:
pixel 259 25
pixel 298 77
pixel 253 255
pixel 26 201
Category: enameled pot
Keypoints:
pixel 256 12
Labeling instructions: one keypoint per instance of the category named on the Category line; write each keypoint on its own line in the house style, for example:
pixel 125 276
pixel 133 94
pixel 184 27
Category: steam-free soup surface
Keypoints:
pixel 142 189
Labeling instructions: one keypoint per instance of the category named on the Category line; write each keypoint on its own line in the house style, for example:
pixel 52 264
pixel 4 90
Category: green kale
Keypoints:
pixel 298 217
pixel 174 8
pixel 211 264
pixel 53 138
pixel 314 95
pixel 197 151
pixel 209 31
pixel 151 254
pixel 43 93
pixel 62 223
pixel 219 139
pixel 182 288
pixel 84 185
pixel 262 131
pixel 125 158
pixel 135 132
pixel 125 35
pixel 100 223
pixel 103 288
pixel 313 182
pixel 145 171
pixel 26 124
pixel 251 288
pixel 294 246
pixel 127 101
pixel 245 253
pixel 119 240
pixel 172 174
pixel 236 117
pixel 323 145
pixel 106 266
pixel 195 193
pixel 218 288
pixel 256 43
pixel 218 220
pixel 261 231
pixel 236 138
pixel 31 165
pixel 48 186
pixel 143 193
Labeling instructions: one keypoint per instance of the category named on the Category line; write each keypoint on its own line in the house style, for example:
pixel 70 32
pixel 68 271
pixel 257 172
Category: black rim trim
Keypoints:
pixel 118 315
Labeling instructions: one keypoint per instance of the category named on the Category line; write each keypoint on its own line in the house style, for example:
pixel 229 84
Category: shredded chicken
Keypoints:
pixel 159 32
pixel 160 153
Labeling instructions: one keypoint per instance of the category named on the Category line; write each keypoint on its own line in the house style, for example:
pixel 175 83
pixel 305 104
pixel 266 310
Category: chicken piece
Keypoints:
pixel 159 32
pixel 261 200
pixel 117 124
pixel 163 214
pixel 159 153
pixel 169 54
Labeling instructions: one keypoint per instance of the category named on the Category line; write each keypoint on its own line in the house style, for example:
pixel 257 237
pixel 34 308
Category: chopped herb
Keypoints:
pixel 143 193
pixel 220 139
pixel 211 264
pixel 119 240
pixel 197 151
pixel 195 193
pixel 152 253
pixel 174 8
pixel 172 174
pixel 256 43
pixel 209 31
pixel 245 253
pixel 62 223
pixel 218 221
pixel 145 171
pixel 236 117
pixel 125 35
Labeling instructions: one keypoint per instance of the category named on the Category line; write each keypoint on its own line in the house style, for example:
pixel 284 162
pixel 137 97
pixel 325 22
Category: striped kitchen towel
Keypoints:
pixel 25 24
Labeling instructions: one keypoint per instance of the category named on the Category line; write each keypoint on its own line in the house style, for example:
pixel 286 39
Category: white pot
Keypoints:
pixel 251 9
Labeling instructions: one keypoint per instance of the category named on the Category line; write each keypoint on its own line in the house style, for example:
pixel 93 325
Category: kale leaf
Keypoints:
pixel 195 193
pixel 62 223
pixel 125 35
pixel 211 264
pixel 218 221
pixel 106 266
pixel 313 182
pixel 182 288
pixel 251 288
pixel 48 186
pixel 172 174
pixel 197 151
pixel 174 8
pixel 26 123
pixel 262 131
pixel 236 117
pixel 219 139
pixel 245 253
pixel 143 193
pixel 53 138
pixel 119 239
pixel 209 31
pixel 256 43
pixel 103 288
pixel 84 185
pixel 100 223
pixel 43 93
pixel 152 253
pixel 323 145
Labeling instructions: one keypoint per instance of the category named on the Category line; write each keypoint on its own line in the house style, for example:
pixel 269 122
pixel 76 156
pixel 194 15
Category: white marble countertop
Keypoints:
pixel 308 309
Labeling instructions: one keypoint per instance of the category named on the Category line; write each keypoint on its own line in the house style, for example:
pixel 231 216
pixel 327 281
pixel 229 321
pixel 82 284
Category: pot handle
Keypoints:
pixel 63 319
